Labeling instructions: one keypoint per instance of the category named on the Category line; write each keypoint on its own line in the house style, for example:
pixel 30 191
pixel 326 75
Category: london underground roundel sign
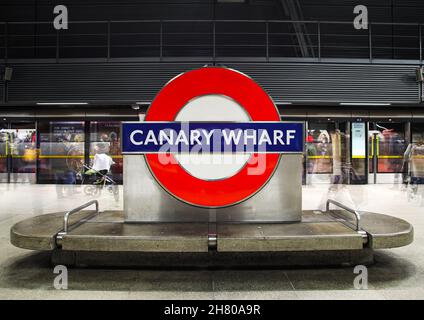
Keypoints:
pixel 212 137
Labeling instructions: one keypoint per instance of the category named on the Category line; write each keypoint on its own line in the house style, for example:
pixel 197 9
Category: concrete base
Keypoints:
pixel 82 259
pixel 107 232
pixel 145 201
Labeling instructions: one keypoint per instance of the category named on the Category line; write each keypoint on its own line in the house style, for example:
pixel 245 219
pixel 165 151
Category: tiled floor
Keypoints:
pixel 397 273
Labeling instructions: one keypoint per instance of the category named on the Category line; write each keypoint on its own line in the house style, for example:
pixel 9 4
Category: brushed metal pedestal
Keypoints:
pixel 280 200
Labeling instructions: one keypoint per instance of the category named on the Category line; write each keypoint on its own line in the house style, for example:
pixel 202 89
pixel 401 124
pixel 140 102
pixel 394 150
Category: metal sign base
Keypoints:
pixel 280 200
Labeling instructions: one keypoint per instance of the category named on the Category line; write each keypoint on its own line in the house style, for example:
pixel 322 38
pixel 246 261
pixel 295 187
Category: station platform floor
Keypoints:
pixel 397 273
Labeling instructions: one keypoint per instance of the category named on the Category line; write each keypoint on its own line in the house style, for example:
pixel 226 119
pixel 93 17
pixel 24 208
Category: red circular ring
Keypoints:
pixel 173 97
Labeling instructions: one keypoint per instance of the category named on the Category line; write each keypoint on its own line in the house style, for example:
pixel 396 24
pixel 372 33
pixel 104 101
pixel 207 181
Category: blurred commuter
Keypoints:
pixel 102 162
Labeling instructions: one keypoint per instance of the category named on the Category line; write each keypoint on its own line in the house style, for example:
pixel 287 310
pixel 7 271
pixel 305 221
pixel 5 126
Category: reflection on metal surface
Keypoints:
pixel 279 200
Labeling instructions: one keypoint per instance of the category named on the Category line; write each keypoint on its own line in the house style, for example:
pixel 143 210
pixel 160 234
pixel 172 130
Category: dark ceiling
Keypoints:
pixel 380 10
pixel 196 39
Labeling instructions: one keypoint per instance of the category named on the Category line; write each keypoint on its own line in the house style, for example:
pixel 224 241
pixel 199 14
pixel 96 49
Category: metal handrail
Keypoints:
pixel 413 50
pixel 59 236
pixel 340 205
pixel 69 213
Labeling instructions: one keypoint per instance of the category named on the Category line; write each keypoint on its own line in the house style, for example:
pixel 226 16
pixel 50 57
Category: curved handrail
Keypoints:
pixel 59 236
pixel 69 213
pixel 340 205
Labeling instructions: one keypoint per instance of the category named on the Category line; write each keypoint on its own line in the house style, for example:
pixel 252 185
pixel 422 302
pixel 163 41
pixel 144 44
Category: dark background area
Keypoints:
pixel 123 51
pixel 339 10
pixel 155 36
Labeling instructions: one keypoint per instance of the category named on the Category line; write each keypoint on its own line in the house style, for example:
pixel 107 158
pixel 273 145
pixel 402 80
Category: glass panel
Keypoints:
pixel 61 152
pixel 318 147
pixel 326 149
pixel 106 137
pixel 18 153
pixel 22 148
pixel 4 138
pixel 391 147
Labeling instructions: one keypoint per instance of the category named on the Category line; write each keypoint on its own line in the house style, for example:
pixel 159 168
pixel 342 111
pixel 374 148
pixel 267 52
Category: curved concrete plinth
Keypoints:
pixel 212 259
pixel 107 232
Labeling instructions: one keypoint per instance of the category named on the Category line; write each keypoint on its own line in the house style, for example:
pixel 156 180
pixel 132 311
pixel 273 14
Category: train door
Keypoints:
pixel 62 151
pixel 326 151
pixel 388 142
pixel 18 152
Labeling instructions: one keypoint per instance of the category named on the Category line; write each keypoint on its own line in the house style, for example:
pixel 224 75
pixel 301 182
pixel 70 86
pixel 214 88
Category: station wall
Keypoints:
pixel 335 83
pixel 42 10
pixel 115 83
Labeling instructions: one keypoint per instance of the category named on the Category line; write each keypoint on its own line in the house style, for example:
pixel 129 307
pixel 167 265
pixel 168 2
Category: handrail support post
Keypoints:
pixel 353 211
pixel 61 234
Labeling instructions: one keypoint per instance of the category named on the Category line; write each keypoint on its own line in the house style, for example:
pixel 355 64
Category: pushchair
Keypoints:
pixel 97 181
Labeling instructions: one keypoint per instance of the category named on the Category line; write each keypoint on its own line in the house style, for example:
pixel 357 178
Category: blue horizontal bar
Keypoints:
pixel 212 137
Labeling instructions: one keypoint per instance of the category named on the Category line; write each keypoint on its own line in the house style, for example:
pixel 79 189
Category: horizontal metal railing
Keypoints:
pixel 66 217
pixel 342 206
pixel 210 39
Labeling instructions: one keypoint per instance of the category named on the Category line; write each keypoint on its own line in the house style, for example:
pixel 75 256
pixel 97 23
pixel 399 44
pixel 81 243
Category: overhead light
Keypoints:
pixel 419 74
pixel 8 71
pixel 142 103
pixel 135 107
pixel 363 104
pixel 285 103
pixel 61 103
pixel 231 1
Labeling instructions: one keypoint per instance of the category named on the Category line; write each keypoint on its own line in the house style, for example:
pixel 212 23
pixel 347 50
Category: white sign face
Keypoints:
pixel 212 166
pixel 358 140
